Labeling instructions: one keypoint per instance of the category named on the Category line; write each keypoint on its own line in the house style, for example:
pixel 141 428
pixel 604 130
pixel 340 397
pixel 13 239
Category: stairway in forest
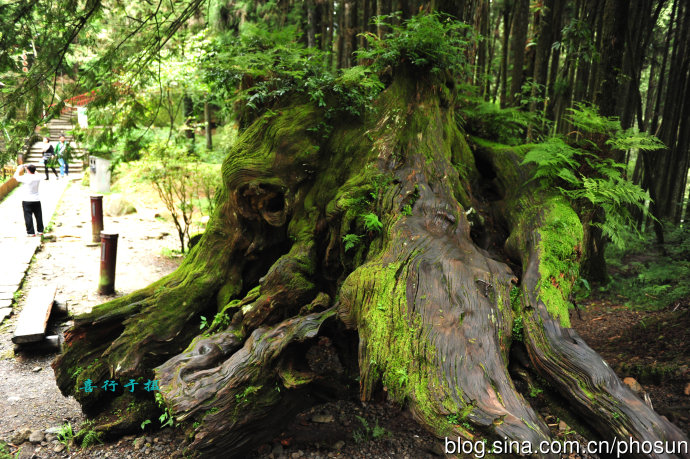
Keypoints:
pixel 57 127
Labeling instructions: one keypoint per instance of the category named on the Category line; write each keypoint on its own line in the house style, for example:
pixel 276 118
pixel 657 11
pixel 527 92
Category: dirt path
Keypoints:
pixel 30 399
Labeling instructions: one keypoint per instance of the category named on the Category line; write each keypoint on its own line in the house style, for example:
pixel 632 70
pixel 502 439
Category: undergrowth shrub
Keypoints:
pixel 186 185
pixel 645 276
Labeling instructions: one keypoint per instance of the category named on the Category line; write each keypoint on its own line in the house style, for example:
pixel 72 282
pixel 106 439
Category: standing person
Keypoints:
pixel 48 153
pixel 31 201
pixel 63 159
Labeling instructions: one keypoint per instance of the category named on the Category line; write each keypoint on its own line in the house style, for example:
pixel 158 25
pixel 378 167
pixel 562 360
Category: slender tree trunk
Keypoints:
pixel 504 56
pixel 340 49
pixel 188 110
pixel 207 122
pixel 311 23
pixel 329 33
pixel 555 60
pixel 543 51
pixel 481 67
pixel 613 39
pixel 672 113
pixel 518 34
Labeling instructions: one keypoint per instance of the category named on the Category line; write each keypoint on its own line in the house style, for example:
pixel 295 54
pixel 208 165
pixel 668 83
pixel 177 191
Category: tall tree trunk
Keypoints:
pixel 415 307
pixel 555 60
pixel 349 33
pixel 311 23
pixel 483 28
pixel 672 112
pixel 504 55
pixel 190 119
pixel 613 47
pixel 340 47
pixel 329 33
pixel 207 123
pixel 613 40
pixel 543 51
pixel 383 7
pixel 518 33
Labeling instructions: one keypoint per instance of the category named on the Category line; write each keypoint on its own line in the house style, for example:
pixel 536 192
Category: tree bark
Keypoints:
pixel 541 58
pixel 504 56
pixel 518 42
pixel 423 307
pixel 207 122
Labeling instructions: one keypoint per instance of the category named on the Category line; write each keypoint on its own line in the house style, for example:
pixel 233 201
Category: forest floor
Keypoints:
pixel 650 346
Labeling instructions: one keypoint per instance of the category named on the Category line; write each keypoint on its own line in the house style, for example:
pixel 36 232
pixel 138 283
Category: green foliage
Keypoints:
pixel 580 170
pixel 271 64
pixel 166 419
pixel 646 276
pixel 504 125
pixel 430 42
pixel 586 119
pixel 220 321
pixel 145 423
pixel 371 222
pixel 368 433
pixel 5 452
pixel 65 435
pixel 534 391
pixel 453 419
pixel 247 394
pixel 351 241
pixel 632 139
pixel 91 437
pixel 185 185
pixel 518 328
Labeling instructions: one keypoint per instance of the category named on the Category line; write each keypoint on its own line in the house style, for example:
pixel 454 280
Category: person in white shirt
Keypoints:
pixel 31 201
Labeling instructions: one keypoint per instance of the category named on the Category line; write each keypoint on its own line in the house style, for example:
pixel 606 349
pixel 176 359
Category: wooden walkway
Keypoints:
pixel 16 249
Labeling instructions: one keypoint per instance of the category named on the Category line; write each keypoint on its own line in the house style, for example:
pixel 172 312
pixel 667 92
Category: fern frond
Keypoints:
pixel 634 139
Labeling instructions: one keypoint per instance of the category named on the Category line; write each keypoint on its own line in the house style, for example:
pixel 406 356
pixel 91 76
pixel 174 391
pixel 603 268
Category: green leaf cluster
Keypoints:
pixel 504 125
pixel 271 64
pixel 429 42
pixel 580 169
pixel 371 222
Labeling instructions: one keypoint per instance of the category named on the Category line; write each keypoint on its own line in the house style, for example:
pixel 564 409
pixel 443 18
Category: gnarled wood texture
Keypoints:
pixel 423 307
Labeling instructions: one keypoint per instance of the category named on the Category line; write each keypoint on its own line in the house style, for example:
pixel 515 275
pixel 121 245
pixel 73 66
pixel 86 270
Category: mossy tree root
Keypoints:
pixel 546 237
pixel 415 306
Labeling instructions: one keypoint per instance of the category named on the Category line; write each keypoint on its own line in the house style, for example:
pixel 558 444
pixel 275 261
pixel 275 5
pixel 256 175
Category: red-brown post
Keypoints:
pixel 106 283
pixel 96 217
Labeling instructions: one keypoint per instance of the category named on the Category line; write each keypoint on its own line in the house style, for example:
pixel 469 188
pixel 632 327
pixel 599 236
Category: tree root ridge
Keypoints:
pixel 251 377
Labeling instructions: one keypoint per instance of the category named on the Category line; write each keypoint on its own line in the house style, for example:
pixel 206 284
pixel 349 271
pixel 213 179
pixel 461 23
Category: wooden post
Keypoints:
pixel 96 217
pixel 106 282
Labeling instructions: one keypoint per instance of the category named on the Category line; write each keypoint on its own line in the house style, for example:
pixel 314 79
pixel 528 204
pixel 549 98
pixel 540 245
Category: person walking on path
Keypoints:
pixel 48 153
pixel 31 201
pixel 61 154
